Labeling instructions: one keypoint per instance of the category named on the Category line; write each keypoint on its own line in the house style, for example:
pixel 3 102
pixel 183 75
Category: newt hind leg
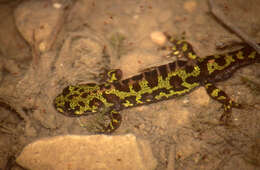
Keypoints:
pixel 223 98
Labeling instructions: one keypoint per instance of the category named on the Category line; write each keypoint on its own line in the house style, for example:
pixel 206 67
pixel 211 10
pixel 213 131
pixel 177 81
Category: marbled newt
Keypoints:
pixel 156 84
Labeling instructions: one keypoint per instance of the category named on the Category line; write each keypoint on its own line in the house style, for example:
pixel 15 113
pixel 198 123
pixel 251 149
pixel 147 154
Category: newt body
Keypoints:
pixel 156 84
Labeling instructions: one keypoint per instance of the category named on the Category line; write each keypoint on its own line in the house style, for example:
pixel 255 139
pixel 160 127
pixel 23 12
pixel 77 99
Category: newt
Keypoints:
pixel 156 84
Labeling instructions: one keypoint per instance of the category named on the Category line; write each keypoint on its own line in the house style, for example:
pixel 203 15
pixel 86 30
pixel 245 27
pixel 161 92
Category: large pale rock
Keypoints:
pixel 97 152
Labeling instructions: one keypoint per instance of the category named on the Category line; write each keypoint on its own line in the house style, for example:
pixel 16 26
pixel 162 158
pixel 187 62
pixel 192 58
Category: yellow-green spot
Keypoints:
pixel 184 47
pixel 114 120
pixel 127 103
pixel 112 77
pixel 176 52
pixel 207 85
pixel 192 56
pixel 114 112
pixel 252 55
pixel 179 42
pixel 60 110
pixel 215 92
pixel 240 55
pixel 221 98
pixel 111 125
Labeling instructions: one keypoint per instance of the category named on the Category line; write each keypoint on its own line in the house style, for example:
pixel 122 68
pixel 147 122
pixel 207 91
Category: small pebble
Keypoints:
pixel 158 37
pixel 57 5
pixel 42 46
